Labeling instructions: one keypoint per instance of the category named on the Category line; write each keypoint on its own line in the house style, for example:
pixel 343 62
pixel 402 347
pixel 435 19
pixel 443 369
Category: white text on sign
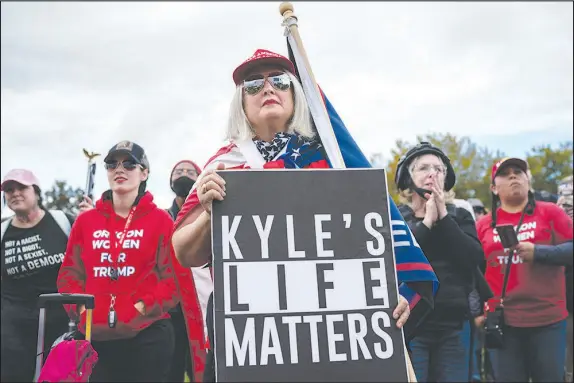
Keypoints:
pixel 373 223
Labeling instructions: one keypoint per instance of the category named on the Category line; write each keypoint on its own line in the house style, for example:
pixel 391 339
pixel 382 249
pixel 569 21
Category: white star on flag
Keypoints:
pixel 295 153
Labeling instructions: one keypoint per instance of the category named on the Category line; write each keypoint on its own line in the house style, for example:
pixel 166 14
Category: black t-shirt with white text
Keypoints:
pixel 31 259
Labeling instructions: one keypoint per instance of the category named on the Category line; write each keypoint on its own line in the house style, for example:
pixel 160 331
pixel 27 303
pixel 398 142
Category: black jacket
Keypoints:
pixel 558 255
pixel 454 251
pixel 173 210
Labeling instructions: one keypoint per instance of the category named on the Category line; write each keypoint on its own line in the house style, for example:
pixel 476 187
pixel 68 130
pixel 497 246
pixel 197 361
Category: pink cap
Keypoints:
pixel 22 176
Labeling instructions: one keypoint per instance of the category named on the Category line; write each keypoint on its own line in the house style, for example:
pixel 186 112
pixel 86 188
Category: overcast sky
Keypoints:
pixel 87 75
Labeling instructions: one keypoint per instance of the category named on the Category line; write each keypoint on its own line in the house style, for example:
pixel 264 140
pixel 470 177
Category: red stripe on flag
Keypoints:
pixel 413 266
pixel 414 302
pixel 220 152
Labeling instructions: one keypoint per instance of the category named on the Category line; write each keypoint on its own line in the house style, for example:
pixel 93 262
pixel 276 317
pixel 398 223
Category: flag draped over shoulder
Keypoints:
pixel 417 281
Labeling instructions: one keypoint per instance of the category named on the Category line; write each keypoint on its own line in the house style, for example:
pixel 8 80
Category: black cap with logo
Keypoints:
pixel 133 150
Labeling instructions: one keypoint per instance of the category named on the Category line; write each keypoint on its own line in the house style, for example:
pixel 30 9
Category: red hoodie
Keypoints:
pixel 145 263
pixel 535 294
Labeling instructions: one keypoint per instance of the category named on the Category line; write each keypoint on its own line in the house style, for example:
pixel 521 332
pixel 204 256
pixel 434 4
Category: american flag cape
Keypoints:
pixel 417 281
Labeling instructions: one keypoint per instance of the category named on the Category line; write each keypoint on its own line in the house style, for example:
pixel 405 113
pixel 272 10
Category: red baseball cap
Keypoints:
pixel 261 56
pixel 22 176
pixel 507 161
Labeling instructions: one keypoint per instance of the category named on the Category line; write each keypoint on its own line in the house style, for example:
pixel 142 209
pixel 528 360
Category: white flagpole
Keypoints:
pixel 312 92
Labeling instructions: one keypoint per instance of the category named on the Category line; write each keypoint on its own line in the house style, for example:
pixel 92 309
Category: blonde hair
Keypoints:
pixel 239 128
pixel 406 195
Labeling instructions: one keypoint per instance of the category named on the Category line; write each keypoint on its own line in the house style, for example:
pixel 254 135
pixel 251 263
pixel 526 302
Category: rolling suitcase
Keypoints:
pixel 70 359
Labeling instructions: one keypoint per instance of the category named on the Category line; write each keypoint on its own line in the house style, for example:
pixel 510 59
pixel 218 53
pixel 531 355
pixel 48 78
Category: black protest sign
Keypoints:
pixel 304 278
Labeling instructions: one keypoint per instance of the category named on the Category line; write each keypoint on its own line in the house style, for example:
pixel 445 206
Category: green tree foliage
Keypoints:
pixel 63 197
pixel 549 166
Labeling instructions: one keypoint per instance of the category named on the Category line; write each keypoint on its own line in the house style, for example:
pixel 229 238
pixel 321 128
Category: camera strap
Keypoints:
pixel 510 256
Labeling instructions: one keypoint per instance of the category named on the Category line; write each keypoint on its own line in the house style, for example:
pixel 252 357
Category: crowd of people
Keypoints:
pixel 149 267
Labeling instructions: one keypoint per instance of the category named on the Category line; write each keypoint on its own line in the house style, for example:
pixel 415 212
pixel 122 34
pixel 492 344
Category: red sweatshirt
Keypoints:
pixel 145 263
pixel 535 295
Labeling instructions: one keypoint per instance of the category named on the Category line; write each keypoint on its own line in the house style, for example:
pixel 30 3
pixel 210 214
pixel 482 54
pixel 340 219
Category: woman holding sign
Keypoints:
pixel 269 127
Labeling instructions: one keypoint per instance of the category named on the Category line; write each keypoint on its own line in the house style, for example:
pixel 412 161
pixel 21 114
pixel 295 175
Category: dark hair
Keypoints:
pixel 141 191
pixel 529 208
pixel 479 209
pixel 40 199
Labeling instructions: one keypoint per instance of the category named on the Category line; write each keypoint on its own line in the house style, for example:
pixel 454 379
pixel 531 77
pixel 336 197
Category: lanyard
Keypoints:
pixel 511 254
pixel 114 273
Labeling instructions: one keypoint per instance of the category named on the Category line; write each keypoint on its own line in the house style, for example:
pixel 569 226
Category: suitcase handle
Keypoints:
pixel 45 300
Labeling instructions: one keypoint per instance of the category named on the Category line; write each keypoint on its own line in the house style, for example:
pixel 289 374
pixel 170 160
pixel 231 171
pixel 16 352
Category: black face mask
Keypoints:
pixel 182 186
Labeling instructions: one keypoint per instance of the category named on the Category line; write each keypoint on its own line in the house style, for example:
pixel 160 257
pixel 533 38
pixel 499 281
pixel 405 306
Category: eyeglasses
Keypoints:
pixel 12 187
pixel 126 164
pixel 189 172
pixel 254 84
pixel 427 169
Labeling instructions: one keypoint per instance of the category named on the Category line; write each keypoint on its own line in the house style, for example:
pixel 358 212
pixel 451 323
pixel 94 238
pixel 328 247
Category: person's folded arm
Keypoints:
pixel 559 255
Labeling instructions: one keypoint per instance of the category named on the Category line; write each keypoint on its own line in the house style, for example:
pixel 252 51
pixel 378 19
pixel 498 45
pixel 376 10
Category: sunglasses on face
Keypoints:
pixel 126 164
pixel 13 187
pixel 254 84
